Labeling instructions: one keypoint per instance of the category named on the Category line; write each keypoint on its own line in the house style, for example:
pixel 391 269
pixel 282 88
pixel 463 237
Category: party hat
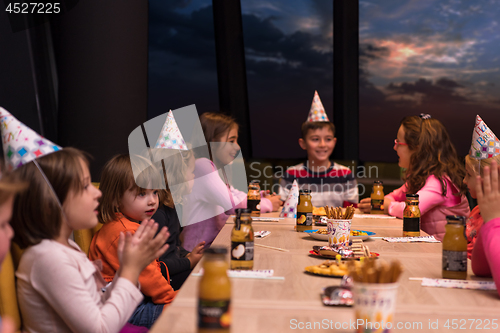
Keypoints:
pixel 485 144
pixel 290 205
pixel 170 135
pixel 317 112
pixel 20 143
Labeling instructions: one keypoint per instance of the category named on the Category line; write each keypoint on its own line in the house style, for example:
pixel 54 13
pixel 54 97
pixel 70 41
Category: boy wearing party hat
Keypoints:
pixel 485 148
pixel 330 183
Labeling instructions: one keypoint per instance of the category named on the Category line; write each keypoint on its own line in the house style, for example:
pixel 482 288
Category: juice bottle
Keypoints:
pixel 455 248
pixel 377 197
pixel 411 217
pixel 304 211
pixel 253 197
pixel 242 245
pixel 214 308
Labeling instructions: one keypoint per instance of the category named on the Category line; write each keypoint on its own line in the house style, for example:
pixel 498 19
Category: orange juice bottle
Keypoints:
pixel 411 216
pixel 214 302
pixel 253 197
pixel 455 248
pixel 304 211
pixel 242 241
pixel 377 197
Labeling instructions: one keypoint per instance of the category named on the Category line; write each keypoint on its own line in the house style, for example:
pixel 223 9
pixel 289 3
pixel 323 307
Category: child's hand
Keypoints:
pixel 276 201
pixel 7 325
pixel 137 251
pixel 365 205
pixel 195 255
pixel 488 194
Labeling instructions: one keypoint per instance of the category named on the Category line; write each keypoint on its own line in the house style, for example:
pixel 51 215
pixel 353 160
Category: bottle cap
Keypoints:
pixel 304 191
pixel 455 219
pixel 412 196
pixel 378 182
pixel 240 211
pixel 255 181
pixel 216 250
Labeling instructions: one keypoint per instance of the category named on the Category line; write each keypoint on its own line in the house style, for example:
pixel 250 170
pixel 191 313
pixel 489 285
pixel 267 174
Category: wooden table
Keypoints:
pixel 289 305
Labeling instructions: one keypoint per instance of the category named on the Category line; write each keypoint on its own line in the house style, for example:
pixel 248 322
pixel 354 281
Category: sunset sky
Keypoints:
pixel 439 57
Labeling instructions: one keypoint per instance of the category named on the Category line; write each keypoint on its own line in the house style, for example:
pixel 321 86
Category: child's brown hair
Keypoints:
pixel 314 125
pixel 118 177
pixel 37 214
pixel 433 154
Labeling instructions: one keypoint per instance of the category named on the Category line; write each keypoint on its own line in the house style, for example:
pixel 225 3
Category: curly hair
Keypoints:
pixel 433 154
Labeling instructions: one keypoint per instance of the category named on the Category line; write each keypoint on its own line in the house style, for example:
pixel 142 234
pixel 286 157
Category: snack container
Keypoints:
pixel 339 232
pixel 374 305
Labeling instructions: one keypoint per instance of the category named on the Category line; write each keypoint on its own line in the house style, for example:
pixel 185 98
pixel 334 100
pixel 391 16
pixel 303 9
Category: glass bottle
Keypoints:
pixel 304 211
pixel 411 216
pixel 214 308
pixel 253 197
pixel 455 248
pixel 242 241
pixel 377 197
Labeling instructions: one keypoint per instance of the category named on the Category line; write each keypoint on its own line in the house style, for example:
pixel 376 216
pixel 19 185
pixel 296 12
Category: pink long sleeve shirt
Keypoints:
pixel 433 205
pixel 59 290
pixel 485 255
pixel 209 205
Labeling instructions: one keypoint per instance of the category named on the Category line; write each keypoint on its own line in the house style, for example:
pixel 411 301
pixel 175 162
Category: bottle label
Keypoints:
pixel 411 224
pixel 253 205
pixel 304 218
pixel 455 261
pixel 242 251
pixel 214 314
pixel 378 204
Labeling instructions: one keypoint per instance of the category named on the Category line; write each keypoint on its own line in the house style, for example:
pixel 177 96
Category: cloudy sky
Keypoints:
pixel 440 57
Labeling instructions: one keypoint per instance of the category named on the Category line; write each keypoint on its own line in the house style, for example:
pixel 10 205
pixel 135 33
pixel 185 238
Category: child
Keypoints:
pixel 204 213
pixel 59 289
pixel 433 172
pixel 123 205
pixel 485 260
pixel 8 188
pixel 179 168
pixel 330 183
pixel 474 166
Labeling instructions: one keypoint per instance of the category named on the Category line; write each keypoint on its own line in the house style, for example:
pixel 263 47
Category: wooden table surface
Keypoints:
pixel 292 304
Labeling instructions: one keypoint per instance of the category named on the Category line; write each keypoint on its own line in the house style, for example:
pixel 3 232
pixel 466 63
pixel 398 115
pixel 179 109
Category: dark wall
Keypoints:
pixel 101 50
pixel 17 93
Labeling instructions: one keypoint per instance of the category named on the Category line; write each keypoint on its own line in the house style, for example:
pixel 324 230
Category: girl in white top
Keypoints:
pixel 59 289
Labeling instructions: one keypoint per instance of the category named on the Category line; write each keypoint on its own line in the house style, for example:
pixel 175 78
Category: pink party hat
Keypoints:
pixel 317 112
pixel 485 144
pixel 290 205
pixel 20 143
pixel 170 135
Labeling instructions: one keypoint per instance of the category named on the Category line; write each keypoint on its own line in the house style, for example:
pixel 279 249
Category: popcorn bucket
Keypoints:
pixel 339 232
pixel 374 305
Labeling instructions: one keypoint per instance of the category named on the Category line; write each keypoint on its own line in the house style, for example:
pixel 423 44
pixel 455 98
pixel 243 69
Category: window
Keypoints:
pixel 436 57
pixel 182 67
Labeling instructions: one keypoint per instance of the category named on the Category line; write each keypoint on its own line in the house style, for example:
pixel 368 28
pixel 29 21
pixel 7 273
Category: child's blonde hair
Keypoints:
pixel 478 165
pixel 118 177
pixel 37 215
pixel 176 164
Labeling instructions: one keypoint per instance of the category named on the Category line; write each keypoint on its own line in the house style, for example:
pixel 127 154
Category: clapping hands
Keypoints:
pixel 488 192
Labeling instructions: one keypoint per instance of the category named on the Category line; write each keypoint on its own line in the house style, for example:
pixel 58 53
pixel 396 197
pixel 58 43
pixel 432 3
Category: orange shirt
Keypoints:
pixel 104 246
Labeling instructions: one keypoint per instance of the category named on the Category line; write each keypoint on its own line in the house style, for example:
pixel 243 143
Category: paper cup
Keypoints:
pixel 374 305
pixel 339 232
